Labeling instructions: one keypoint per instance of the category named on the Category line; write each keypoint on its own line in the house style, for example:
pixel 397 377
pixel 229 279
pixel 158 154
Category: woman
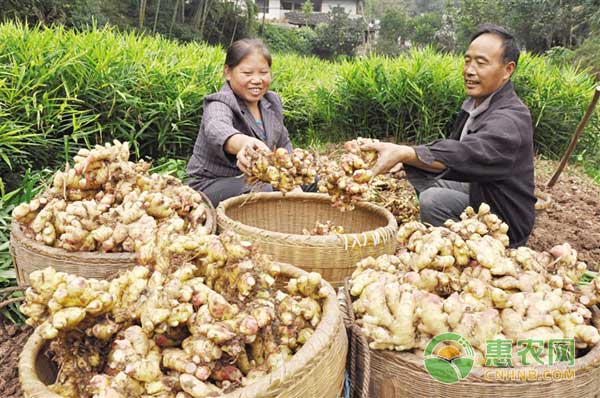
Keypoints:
pixel 243 114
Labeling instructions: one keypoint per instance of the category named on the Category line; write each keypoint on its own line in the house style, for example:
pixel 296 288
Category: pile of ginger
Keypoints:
pixel 201 316
pixel 346 180
pixel 284 171
pixel 463 278
pixel 106 203
pixel 216 317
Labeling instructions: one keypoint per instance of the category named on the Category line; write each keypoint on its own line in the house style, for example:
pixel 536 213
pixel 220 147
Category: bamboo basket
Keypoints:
pixel 274 222
pixel 316 370
pixel 393 374
pixel 29 255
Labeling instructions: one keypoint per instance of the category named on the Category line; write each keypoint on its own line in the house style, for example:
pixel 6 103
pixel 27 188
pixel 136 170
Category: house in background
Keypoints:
pixel 276 9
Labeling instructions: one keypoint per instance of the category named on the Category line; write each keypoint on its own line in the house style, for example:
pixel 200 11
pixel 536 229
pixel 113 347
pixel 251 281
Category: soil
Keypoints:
pixel 572 215
pixel 11 344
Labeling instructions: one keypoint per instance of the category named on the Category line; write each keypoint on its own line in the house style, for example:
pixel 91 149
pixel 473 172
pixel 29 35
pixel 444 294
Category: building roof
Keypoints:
pixel 298 18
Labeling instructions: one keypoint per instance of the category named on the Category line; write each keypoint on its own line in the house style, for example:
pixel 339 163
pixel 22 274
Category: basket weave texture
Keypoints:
pixel 274 222
pixel 29 255
pixel 393 374
pixel 315 371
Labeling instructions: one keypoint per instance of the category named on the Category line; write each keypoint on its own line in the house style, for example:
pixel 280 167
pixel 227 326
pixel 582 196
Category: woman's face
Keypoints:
pixel 250 79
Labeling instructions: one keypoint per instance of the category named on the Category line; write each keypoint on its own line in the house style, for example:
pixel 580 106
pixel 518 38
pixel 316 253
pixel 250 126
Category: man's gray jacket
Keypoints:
pixel 496 157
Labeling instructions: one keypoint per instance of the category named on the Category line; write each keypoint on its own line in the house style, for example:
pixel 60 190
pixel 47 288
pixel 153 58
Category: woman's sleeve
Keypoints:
pixel 218 126
pixel 284 139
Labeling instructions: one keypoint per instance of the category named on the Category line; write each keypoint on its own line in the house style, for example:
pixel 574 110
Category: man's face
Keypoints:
pixel 484 70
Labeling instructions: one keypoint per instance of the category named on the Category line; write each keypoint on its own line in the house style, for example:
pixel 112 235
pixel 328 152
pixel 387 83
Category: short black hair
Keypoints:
pixel 241 48
pixel 511 49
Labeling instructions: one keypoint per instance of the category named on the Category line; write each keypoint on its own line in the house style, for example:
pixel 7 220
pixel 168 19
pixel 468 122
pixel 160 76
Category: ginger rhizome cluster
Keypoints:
pixel 106 203
pixel 348 179
pixel 396 196
pixel 462 278
pixel 217 317
pixel 284 171
pixel 326 228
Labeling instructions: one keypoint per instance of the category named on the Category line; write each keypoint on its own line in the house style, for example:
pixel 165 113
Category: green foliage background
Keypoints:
pixel 289 40
pixel 60 89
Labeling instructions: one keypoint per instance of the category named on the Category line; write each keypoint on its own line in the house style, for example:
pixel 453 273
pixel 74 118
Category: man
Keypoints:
pixel 488 157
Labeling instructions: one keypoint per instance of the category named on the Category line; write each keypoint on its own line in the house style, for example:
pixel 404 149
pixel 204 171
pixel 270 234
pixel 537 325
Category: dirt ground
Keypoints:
pixel 11 344
pixel 573 216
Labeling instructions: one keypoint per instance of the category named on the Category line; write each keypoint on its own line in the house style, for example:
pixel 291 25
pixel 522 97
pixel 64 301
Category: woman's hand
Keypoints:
pixel 390 156
pixel 243 163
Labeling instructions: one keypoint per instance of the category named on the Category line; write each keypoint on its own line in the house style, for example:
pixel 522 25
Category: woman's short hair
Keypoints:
pixel 241 48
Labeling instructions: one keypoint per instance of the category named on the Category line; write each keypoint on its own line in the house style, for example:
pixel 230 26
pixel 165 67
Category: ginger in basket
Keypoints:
pixel 327 228
pixel 212 320
pixel 106 203
pixel 462 278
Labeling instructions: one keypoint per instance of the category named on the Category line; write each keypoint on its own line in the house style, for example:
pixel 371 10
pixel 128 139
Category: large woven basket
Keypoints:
pixel 29 255
pixel 274 222
pixel 315 371
pixel 392 374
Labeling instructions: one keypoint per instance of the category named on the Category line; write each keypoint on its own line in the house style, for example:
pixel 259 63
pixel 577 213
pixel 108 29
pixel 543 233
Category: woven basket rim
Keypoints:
pixel 211 214
pixel 56 252
pixel 322 338
pixel 339 239
pixel 589 360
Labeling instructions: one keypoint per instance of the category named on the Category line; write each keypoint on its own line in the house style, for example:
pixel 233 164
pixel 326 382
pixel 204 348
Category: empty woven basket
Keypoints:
pixel 274 222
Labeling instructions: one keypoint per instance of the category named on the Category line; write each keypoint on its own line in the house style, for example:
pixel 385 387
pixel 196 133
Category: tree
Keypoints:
pixel 427 6
pixel 340 36
pixel 307 9
pixel 424 28
pixel 445 36
pixel 395 29
pixel 378 8
pixel 538 25
pixel 74 13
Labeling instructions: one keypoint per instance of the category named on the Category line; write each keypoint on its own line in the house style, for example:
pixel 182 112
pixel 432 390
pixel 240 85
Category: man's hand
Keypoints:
pixel 390 156
pixel 243 163
pixel 396 168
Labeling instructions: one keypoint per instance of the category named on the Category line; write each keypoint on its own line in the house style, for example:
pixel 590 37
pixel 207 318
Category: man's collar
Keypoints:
pixel 469 104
